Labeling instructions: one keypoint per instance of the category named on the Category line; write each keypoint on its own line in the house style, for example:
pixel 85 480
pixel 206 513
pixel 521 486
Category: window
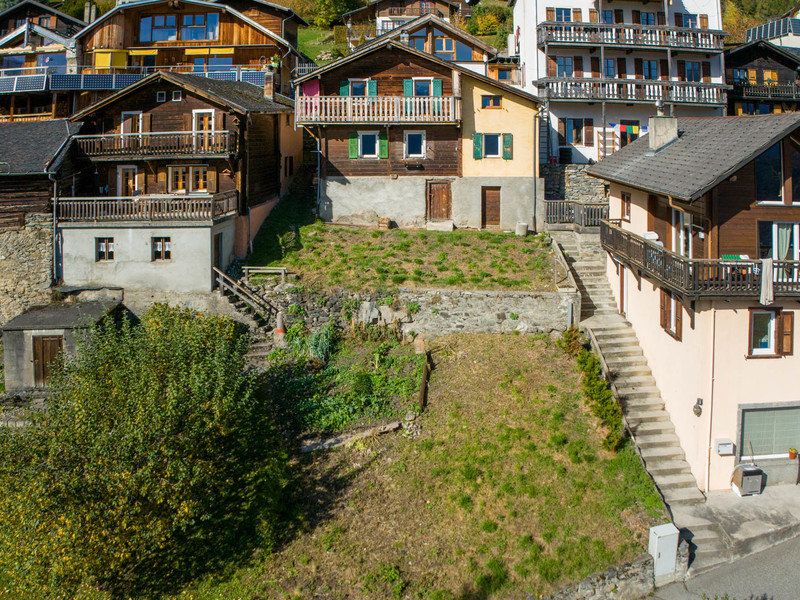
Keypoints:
pixel 770 432
pixel 504 74
pixel 610 68
pixel 625 209
pixel 690 20
pixel 13 61
pixel 648 18
pixel 423 87
pixel 682 233
pixel 162 248
pixel 176 95
pixel 763 334
pixel 778 240
pixel 491 101
pixel 158 28
pixel 671 314
pixel 288 168
pixel 161 96
pixel 358 87
pixel 563 15
pixel 368 144
pixel 55 62
pixel 103 249
pixel 564 67
pixel 740 76
pixel 415 144
pixel 188 179
pixel 693 71
pixel 444 48
pixel 650 69
pixel 608 17
pixel 769 175
pixel 200 27
pixel 43 21
pixel 770 76
pixel 417 41
pixel 463 52
pixel 573 132
pixel 491 145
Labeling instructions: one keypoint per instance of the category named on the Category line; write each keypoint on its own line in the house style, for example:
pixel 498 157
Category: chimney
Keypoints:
pixel 269 85
pixel 86 11
pixel 662 130
pixel 93 15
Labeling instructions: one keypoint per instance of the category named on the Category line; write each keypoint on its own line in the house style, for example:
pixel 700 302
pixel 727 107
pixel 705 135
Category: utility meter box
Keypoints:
pixel 725 447
pixel 663 547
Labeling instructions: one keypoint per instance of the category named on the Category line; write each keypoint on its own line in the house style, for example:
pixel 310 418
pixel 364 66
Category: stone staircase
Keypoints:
pixel 649 422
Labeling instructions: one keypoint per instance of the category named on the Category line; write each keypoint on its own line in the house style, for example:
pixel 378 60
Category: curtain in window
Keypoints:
pixel 784 240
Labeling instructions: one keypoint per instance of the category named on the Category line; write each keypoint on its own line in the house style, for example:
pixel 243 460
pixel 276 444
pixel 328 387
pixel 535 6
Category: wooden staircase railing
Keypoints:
pixel 228 286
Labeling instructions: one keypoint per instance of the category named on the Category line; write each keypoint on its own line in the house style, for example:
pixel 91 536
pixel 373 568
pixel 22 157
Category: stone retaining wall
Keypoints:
pixel 570 182
pixel 630 581
pixel 26 256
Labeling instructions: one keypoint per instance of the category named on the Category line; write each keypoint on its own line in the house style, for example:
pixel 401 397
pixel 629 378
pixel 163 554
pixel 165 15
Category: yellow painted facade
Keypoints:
pixel 516 115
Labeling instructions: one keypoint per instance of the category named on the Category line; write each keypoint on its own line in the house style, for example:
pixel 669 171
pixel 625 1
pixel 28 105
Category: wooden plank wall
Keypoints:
pixel 443 153
pixel 412 7
pixel 263 159
pixel 25 194
pixel 153 175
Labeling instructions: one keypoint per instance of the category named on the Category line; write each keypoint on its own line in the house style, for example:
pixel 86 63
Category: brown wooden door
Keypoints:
pixel 45 351
pixel 439 201
pixel 490 207
pixel 127 181
pixel 203 127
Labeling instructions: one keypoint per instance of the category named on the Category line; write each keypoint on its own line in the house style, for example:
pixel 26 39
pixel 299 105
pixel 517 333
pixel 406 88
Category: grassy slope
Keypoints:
pixel 313 40
pixel 506 492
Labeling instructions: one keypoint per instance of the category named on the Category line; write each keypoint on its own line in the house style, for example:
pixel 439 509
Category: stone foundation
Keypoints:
pixel 26 255
pixel 630 581
pixel 570 182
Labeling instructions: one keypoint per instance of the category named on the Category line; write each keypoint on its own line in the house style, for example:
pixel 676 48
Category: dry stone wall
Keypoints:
pixel 570 182
pixel 26 256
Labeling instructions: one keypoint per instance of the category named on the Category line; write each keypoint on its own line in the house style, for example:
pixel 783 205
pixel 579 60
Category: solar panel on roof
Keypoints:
pixel 62 81
pixel 30 83
pixel 254 77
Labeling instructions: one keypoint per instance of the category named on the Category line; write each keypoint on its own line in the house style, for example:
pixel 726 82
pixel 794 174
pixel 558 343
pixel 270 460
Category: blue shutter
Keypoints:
pixel 437 87
pixel 344 88
pixel 408 87
pixel 372 87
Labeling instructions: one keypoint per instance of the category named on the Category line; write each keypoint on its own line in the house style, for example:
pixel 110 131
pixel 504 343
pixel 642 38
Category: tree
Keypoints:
pixel 155 460
pixel 329 11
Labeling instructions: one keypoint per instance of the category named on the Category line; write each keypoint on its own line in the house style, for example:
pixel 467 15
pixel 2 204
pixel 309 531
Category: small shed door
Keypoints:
pixel 439 201
pixel 490 206
pixel 45 351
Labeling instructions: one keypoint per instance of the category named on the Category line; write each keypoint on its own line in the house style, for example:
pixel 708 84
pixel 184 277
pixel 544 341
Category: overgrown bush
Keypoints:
pixel 155 460
pixel 491 19
pixel 601 399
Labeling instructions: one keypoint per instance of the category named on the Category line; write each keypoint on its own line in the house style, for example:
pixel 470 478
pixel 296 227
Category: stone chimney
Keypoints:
pixel 269 85
pixel 87 11
pixel 662 131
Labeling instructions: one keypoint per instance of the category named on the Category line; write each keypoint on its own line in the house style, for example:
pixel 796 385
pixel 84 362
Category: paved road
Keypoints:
pixel 773 574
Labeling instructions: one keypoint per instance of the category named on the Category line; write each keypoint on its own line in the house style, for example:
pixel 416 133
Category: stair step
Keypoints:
pixel 706 538
pixel 634 390
pixel 667 467
pixel 647 427
pixel 658 440
pixel 637 379
pixel 674 481
pixel 646 416
pixel 683 496
pixel 629 369
pixel 621 335
pixel 662 453
pixel 640 405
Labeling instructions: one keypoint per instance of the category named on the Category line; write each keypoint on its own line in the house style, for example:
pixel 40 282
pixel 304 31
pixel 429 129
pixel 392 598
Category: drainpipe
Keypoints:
pixel 711 394
pixel 536 150
pixel 319 171
pixel 52 178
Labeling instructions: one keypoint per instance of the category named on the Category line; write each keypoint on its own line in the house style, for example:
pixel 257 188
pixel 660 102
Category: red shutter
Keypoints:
pixel 550 13
pixel 637 68
pixel 787 333
pixel 595 67
pixel 552 67
pixel 661 18
pixel 618 16
pixel 588 132
pixel 664 69
pixel 636 17
pixel 703 21
pixel 706 70
pixel 622 68
pixel 577 15
pixel 578 66
pixel 681 70
pixel 562 132
pixel 678 320
pixel 593 15
pixel 663 309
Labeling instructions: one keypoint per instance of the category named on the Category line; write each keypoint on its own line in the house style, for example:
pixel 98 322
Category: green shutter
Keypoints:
pixel 383 145
pixel 477 146
pixel 408 87
pixel 344 88
pixel 372 87
pixel 508 146
pixel 352 145
pixel 437 87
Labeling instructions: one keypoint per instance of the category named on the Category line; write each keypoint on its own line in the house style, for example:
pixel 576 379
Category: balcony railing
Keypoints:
pixel 783 91
pixel 167 207
pixel 377 109
pixel 169 143
pixel 630 35
pixel 632 90
pixel 16 117
pixel 698 277
pixel 567 212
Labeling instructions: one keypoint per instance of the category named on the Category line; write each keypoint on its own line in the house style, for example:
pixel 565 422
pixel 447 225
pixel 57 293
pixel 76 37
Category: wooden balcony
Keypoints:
pixel 574 215
pixel 377 109
pixel 782 91
pixel 695 278
pixel 112 146
pixel 629 35
pixel 166 207
pixel 632 91
pixel 17 117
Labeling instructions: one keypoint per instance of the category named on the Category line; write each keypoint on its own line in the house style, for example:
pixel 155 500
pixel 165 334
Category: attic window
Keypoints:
pixel 176 96
pixel 161 96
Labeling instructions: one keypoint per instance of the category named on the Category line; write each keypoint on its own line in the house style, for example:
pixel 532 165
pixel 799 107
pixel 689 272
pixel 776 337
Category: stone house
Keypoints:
pixel 410 137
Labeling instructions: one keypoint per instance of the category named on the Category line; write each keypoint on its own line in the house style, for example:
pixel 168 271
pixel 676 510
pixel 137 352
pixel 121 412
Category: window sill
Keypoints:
pixel 672 335
pixel 758 356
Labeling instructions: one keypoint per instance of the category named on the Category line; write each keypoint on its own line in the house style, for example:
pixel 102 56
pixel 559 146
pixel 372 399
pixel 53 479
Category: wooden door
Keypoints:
pixel 45 350
pixel 203 126
pixel 490 207
pixel 126 181
pixel 439 201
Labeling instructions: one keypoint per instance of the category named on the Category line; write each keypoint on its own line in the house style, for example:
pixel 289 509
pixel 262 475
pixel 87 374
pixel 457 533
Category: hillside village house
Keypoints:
pixel 601 68
pixel 378 17
pixel 410 137
pixel 183 172
pixel 764 77
pixel 703 248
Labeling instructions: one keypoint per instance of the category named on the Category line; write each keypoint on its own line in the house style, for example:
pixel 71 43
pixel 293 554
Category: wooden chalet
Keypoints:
pixel 379 17
pixel 765 78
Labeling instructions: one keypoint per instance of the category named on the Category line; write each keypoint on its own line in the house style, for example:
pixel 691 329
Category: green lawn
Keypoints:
pixel 506 492
pixel 313 40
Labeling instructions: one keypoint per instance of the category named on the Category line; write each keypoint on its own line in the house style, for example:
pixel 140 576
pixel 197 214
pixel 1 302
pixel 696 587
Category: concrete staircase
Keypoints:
pixel 649 422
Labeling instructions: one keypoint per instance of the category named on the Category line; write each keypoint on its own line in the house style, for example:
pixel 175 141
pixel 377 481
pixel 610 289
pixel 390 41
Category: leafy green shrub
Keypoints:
pixel 155 459
pixel 601 399
pixel 321 342
pixel 571 341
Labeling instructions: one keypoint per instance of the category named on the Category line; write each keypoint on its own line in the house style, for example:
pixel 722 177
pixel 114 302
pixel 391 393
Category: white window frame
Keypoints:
pixel 772 350
pixel 189 179
pixel 161 96
pixel 795 235
pixel 778 202
pixel 198 111
pixel 177 95
pixel 364 80
pixel 681 242
pixel 120 168
pixel 405 143
pixel 744 451
pixel 110 248
pixel 414 86
pixel 499 146
pixel 124 118
pixel 376 133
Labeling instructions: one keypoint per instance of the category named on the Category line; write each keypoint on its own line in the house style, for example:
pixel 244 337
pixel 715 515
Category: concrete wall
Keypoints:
pixel 18 355
pixel 363 200
pixel 26 256
pixel 710 362
pixel 132 267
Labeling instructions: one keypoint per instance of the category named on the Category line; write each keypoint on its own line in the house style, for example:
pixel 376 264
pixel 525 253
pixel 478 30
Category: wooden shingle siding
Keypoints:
pixel 442 153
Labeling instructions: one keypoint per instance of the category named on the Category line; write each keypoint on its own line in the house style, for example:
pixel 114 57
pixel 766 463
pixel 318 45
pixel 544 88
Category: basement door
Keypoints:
pixel 490 207
pixel 439 201
pixel 45 351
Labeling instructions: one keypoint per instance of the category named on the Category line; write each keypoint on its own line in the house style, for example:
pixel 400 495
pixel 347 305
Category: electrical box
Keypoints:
pixel 747 480
pixel 663 547
pixel 725 447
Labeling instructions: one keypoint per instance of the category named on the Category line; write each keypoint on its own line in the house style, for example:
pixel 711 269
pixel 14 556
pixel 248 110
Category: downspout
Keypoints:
pixel 536 149
pixel 52 177
pixel 711 395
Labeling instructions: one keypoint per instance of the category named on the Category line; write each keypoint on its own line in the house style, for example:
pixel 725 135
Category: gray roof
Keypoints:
pixel 33 147
pixel 708 150
pixel 45 7
pixel 71 315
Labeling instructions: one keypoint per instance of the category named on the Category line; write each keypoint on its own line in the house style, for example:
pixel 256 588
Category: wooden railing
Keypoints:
pixel 783 91
pixel 167 207
pixel 377 109
pixel 697 277
pixel 632 90
pixel 168 143
pixel 42 116
pixel 567 212
pixel 239 291
pixel 630 35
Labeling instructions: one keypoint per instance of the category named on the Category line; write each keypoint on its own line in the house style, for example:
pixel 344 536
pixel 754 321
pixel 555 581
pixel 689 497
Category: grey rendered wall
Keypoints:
pixel 18 355
pixel 363 200
pixel 132 267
